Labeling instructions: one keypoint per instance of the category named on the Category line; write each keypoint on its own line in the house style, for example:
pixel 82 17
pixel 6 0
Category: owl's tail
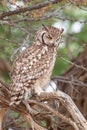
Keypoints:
pixel 16 97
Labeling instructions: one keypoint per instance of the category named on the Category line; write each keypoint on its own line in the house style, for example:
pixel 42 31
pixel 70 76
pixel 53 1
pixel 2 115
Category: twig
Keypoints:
pixel 79 122
pixel 68 103
pixel 56 113
pixel 69 80
pixel 2 113
pixel 22 10
pixel 78 66
pixel 33 124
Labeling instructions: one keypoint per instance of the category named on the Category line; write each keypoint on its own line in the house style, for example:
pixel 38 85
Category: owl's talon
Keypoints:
pixel 27 106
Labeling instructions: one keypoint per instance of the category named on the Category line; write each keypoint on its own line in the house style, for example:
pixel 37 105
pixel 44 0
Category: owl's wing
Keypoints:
pixel 32 63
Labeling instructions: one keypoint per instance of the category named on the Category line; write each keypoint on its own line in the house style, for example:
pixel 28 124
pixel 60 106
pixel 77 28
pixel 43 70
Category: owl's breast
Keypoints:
pixel 35 69
pixel 44 79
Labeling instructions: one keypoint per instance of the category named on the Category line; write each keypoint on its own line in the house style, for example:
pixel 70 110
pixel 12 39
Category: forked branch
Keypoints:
pixel 70 106
pixel 78 121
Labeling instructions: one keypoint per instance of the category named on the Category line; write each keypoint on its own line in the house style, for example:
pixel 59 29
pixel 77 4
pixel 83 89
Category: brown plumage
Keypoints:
pixel 33 68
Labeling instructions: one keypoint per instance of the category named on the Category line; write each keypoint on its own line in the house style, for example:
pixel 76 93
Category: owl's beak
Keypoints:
pixel 53 43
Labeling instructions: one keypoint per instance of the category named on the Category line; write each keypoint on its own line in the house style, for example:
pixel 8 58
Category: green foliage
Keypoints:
pixel 5 31
pixel 43 123
pixel 14 114
pixel 82 36
pixel 59 67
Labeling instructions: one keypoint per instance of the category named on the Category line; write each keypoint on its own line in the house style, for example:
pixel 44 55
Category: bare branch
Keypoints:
pixel 79 122
pixel 56 113
pixel 69 80
pixel 2 113
pixel 22 10
pixel 78 66
pixel 68 103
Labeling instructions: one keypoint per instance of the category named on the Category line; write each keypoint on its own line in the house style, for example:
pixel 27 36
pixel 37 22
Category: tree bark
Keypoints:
pixel 2 113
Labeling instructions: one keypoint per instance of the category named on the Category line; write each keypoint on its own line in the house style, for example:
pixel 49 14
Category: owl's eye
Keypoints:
pixel 49 37
pixel 44 36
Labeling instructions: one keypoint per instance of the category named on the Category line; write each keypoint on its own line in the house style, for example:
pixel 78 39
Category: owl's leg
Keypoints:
pixel 28 106
pixel 27 94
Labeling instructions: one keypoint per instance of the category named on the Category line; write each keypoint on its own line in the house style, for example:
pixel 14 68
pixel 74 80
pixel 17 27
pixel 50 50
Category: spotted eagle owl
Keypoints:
pixel 33 68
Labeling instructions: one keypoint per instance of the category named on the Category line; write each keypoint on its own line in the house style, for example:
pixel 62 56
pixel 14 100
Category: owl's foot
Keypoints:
pixel 27 106
pixel 30 110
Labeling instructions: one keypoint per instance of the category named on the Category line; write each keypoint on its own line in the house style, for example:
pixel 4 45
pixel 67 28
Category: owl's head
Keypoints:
pixel 49 36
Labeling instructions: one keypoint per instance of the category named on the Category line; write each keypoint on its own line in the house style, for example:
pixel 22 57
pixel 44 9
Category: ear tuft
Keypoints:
pixel 45 27
pixel 62 30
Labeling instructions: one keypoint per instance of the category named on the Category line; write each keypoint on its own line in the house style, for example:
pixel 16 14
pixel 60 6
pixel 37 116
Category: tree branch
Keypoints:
pixel 22 10
pixel 78 122
pixel 68 103
pixel 2 113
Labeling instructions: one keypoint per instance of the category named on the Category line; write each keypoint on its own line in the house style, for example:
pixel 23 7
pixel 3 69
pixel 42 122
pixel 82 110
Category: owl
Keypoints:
pixel 34 66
